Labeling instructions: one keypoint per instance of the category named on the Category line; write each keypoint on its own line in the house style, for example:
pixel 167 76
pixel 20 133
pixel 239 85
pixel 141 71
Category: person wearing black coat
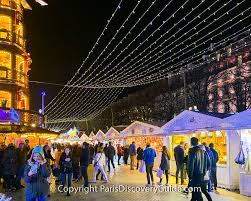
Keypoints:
pixel 165 163
pixel 47 154
pixel 66 169
pixel 139 156
pixel 96 148
pixel 84 162
pixel 21 162
pixel 179 155
pixel 126 154
pixel 214 165
pixel 198 164
pixel 2 148
pixel 91 148
pixel 110 155
pixel 9 162
pixel 75 161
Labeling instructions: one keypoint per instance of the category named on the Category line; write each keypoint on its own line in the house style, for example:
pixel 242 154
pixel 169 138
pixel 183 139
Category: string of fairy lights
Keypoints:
pixel 152 43
pixel 181 50
pixel 128 70
pixel 89 53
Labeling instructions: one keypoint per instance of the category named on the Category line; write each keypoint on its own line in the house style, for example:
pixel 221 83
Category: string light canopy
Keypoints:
pixel 144 42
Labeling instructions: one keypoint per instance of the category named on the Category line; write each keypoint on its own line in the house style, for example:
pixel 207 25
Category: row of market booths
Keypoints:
pixel 228 132
pixel 74 136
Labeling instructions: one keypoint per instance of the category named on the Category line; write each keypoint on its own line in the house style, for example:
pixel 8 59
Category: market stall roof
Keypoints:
pixel 119 128
pixel 112 133
pixel 217 114
pixel 190 121
pixel 100 136
pixel 84 137
pixel 138 128
pixel 240 120
pixel 92 135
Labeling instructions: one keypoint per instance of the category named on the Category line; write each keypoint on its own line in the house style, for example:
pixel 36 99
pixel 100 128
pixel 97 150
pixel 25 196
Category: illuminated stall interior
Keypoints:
pixel 156 142
pixel 218 138
pixel 35 138
pixel 142 133
pixel 113 135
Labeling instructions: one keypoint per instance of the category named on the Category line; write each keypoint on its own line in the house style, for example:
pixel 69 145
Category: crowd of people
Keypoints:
pixel 198 163
pixel 70 163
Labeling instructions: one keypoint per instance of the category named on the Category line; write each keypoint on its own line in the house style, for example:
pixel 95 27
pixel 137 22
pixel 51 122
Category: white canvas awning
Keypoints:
pixel 240 120
pixel 112 133
pixel 138 128
pixel 190 121
pixel 85 138
pixel 100 136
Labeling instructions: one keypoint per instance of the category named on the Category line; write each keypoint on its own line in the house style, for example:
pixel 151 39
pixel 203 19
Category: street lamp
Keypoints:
pixel 43 95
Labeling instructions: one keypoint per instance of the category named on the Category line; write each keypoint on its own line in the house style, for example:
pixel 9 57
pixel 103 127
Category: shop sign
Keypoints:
pixel 9 116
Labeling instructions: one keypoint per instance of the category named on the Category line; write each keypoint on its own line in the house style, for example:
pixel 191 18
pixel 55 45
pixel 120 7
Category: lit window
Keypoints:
pixel 19 32
pixel 20 63
pixel 5 2
pixel 5 59
pixel 5 27
pixel 3 74
pixel 5 99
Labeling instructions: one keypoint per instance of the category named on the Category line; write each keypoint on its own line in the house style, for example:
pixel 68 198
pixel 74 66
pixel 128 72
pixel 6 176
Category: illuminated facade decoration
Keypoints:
pixel 231 89
pixel 14 60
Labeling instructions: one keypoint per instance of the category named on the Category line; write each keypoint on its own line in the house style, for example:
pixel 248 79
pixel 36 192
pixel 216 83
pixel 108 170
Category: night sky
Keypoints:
pixel 59 37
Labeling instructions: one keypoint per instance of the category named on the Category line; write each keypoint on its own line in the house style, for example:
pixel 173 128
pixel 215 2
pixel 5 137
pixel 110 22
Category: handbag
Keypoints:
pixel 142 168
pixel 207 177
pixel 240 159
pixel 159 173
pixel 98 160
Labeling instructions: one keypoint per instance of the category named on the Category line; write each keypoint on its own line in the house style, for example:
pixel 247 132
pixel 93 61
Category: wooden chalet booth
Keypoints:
pixel 239 125
pixel 100 136
pixel 113 135
pixel 84 138
pixel 92 136
pixel 207 129
pixel 142 133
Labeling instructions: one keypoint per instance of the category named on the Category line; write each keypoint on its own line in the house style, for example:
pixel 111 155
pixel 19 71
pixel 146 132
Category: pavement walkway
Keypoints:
pixel 123 179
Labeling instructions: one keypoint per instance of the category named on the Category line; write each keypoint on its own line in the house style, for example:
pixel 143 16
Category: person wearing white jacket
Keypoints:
pixel 99 164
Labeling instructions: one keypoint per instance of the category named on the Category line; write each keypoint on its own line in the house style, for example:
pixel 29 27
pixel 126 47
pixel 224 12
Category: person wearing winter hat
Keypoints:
pixel 35 176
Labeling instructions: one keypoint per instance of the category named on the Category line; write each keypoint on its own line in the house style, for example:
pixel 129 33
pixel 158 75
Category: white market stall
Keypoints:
pixel 207 129
pixel 100 136
pixel 92 136
pixel 113 135
pixel 69 137
pixel 240 126
pixel 142 133
pixel 85 138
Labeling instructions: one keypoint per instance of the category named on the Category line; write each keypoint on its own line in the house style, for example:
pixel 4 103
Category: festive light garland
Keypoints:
pixel 196 46
pixel 129 32
pixel 89 53
pixel 143 30
pixel 123 82
pixel 81 107
pixel 124 73
pixel 106 102
pixel 170 58
pixel 120 71
pixel 104 49
pixel 168 75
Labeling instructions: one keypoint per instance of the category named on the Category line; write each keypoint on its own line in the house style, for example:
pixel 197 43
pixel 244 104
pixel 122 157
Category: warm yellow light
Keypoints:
pixel 33 125
pixel 6 27
pixel 5 99
pixel 5 59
